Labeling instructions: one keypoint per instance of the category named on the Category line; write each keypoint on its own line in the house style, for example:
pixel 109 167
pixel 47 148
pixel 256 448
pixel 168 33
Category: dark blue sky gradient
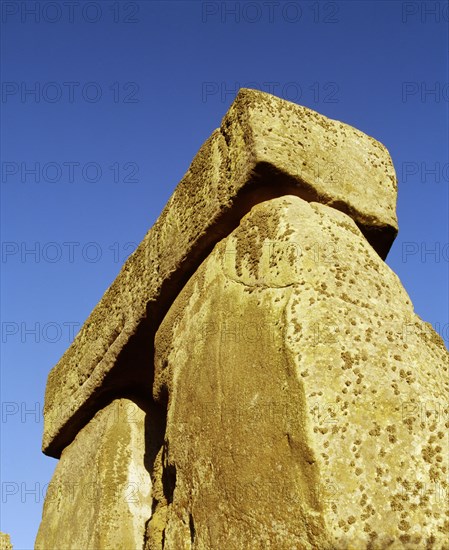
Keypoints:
pixel 166 81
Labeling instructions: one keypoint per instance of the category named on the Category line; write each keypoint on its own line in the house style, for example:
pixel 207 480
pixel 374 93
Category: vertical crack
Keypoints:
pixel 155 425
pixel 192 528
pixel 169 481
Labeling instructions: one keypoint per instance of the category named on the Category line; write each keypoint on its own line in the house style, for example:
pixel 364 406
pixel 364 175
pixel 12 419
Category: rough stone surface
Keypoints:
pixel 328 161
pixel 266 147
pixel 100 493
pixel 5 542
pixel 306 401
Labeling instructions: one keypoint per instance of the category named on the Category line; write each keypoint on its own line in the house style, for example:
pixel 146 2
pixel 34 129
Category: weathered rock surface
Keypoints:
pixel 100 493
pixel 5 542
pixel 307 403
pixel 326 160
pixel 302 403
pixel 266 147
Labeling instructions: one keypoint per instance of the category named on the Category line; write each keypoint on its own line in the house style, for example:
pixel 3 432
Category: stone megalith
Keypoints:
pixel 256 377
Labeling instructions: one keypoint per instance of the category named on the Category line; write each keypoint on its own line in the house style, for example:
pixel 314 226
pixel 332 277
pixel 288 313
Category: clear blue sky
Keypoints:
pixel 126 94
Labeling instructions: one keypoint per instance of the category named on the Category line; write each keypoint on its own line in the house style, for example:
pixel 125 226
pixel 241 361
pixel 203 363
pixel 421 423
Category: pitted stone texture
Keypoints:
pixel 330 162
pixel 100 493
pixel 266 147
pixel 307 403
pixel 5 542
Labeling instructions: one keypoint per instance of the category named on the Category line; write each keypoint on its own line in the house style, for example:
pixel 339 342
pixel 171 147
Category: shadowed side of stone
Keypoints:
pixel 266 147
pixel 295 372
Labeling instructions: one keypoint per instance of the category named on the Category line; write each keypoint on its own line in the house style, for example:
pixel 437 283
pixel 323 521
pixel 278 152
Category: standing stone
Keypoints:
pixel 100 494
pixel 307 403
